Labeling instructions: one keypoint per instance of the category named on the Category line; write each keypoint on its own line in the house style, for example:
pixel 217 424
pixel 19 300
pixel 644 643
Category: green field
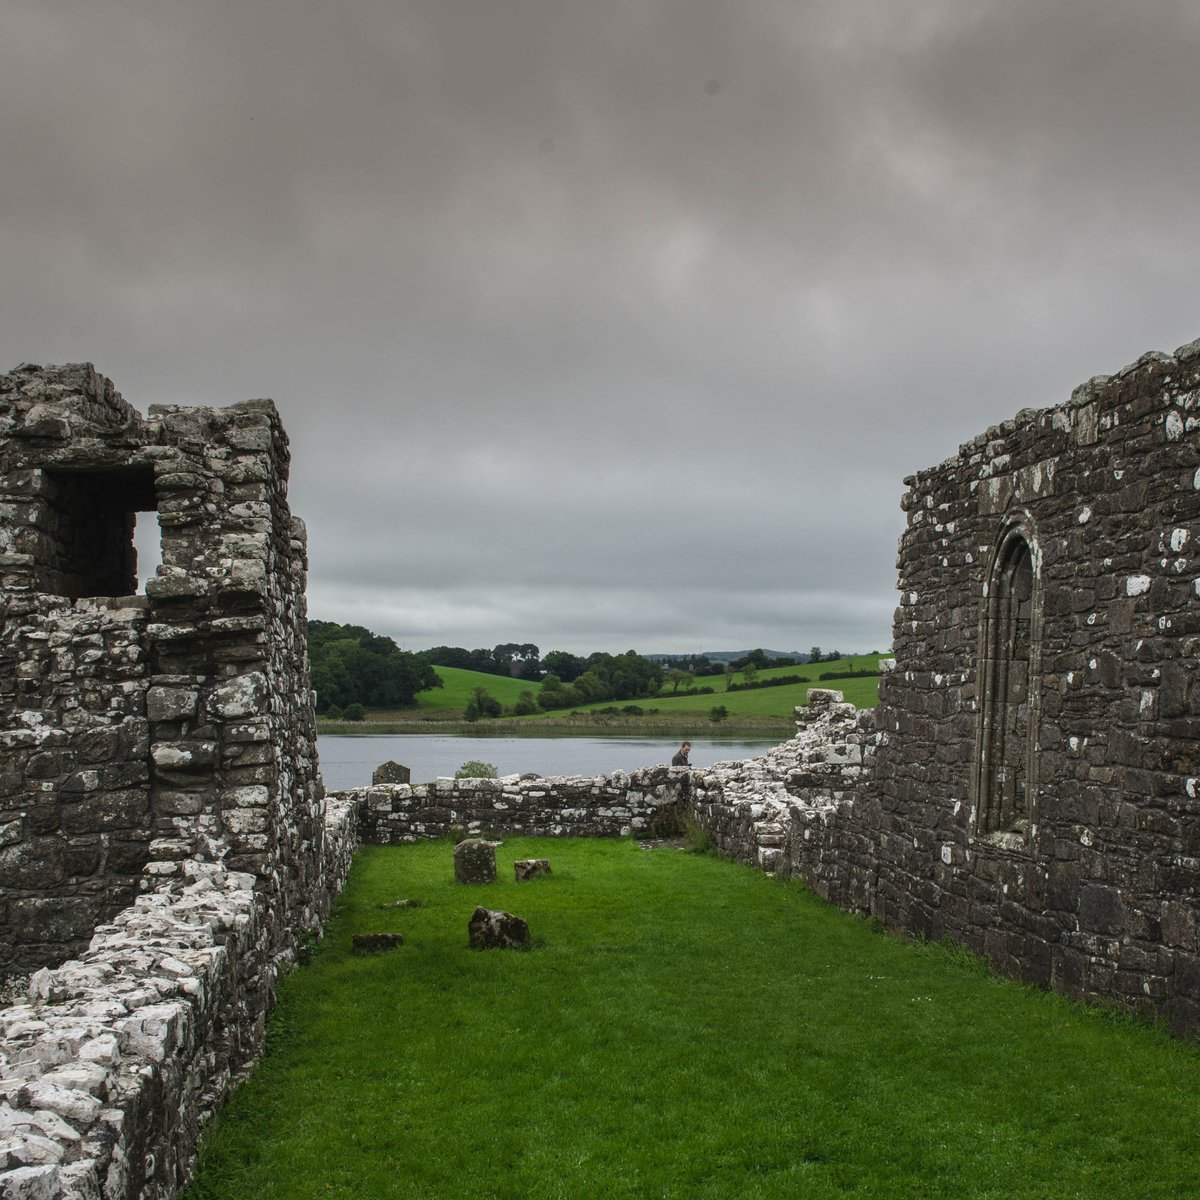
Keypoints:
pixel 759 710
pixel 777 701
pixel 458 686
pixel 686 1029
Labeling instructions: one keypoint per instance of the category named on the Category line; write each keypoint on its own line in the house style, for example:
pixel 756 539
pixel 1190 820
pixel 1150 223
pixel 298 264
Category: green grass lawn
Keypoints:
pixel 684 1028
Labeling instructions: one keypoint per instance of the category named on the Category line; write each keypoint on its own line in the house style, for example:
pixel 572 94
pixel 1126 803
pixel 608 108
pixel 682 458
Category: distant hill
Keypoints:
pixel 724 656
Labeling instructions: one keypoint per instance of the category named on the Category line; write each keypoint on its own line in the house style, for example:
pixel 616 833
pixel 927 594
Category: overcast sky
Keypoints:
pixel 602 323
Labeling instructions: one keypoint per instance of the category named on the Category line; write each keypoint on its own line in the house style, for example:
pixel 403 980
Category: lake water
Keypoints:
pixel 348 761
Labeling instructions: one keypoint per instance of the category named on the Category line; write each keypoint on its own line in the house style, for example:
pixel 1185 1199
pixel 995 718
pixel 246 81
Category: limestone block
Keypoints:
pixel 31 1183
pixel 70 1103
pixel 171 704
pixel 241 697
pixel 375 943
pixel 475 861
pixel 531 868
pixel 495 929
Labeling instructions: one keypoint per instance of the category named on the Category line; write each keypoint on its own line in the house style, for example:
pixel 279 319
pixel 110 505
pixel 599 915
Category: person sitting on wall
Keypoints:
pixel 681 756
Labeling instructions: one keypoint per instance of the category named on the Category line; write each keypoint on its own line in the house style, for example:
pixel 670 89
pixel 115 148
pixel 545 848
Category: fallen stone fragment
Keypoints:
pixel 402 904
pixel 530 868
pixel 475 861
pixel 494 929
pixel 375 943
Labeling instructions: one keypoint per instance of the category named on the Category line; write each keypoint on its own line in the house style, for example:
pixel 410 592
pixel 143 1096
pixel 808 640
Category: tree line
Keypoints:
pixel 351 666
pixel 354 669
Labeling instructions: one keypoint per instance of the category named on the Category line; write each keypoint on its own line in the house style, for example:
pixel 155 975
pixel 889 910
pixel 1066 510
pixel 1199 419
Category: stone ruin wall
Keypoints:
pixel 139 731
pixel 162 819
pixel 1030 782
pixel 644 802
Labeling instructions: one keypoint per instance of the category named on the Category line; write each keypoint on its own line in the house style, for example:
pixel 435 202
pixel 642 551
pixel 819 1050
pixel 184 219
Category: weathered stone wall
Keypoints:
pixel 74 772
pixel 650 800
pixel 1035 782
pixel 140 731
pixel 162 744
pixel 787 812
pixel 1092 883
pixel 109 1074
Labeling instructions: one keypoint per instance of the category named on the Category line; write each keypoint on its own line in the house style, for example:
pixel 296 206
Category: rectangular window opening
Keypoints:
pixel 147 546
pixel 92 548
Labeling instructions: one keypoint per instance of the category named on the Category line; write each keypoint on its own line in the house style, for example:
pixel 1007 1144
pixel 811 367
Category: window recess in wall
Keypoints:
pixel 90 518
pixel 1009 668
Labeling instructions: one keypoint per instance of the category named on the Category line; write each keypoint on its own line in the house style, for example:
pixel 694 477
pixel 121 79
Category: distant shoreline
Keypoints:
pixel 662 725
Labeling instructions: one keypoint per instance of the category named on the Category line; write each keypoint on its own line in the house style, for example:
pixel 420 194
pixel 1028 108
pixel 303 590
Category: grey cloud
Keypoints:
pixel 572 345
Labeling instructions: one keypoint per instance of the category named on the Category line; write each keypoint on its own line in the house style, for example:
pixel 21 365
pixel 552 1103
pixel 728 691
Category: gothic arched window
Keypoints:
pixel 1008 669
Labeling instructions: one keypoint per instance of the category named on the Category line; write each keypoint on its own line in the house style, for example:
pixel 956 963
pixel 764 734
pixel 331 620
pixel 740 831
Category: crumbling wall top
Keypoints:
pixel 61 402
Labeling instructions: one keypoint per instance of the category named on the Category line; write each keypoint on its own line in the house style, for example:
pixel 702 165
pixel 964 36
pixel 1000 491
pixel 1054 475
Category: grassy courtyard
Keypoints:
pixel 688 1028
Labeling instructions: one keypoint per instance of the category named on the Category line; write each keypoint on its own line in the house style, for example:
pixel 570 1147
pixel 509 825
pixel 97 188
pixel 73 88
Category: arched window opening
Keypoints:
pixel 1006 767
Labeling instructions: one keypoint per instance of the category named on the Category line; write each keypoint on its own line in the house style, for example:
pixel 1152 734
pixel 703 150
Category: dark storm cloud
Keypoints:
pixel 602 324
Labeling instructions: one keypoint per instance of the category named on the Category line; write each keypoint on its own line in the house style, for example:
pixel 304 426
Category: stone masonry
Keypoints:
pixel 1030 782
pixel 161 814
pixel 140 731
pixel 649 801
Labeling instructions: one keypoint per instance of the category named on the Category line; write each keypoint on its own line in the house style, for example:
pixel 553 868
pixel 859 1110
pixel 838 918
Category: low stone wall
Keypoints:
pixel 110 1071
pixel 650 800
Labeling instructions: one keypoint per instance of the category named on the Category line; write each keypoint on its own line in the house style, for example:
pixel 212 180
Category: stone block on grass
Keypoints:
pixel 530 868
pixel 475 861
pixel 375 943
pixel 494 929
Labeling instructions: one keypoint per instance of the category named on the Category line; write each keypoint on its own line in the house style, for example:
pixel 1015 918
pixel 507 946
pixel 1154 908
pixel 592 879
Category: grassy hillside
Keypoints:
pixel 750 711
pixel 458 685
pixel 776 701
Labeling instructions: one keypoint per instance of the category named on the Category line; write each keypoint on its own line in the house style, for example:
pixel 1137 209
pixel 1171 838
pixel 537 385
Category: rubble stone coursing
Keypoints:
pixel 161 813
pixel 110 1072
pixel 1030 781
pixel 140 731
pixel 644 801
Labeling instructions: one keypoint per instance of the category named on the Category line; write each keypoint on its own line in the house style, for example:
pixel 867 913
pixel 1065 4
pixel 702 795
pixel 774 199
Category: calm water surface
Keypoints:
pixel 349 761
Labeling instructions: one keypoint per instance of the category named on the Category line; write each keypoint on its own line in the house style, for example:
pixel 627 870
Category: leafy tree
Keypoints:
pixel 750 673
pixel 814 655
pixel 449 656
pixel 568 667
pixel 482 704
pixel 626 676
pixel 475 768
pixel 552 694
pixel 717 713
pixel 758 658
pixel 351 665
pixel 526 704
pixel 355 712
pixel 676 676
pixel 729 673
